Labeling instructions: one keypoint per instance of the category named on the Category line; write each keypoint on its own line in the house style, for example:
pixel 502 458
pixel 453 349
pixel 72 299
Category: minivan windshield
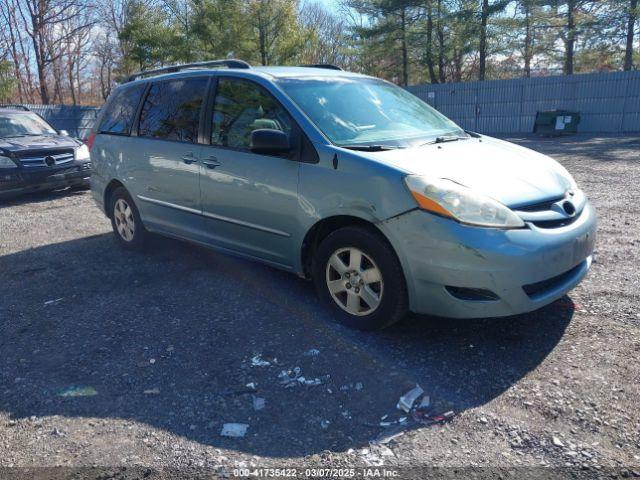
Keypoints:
pixel 23 124
pixel 354 111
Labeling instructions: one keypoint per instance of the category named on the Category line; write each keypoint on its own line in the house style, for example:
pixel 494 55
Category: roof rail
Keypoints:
pixel 230 63
pixel 15 106
pixel 322 65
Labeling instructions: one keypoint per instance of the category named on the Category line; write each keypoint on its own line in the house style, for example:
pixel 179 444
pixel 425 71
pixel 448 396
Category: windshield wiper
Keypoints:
pixel 445 138
pixel 369 148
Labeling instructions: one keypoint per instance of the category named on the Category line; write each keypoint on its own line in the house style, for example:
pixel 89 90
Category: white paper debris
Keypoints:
pixel 257 361
pixel 406 401
pixel 234 430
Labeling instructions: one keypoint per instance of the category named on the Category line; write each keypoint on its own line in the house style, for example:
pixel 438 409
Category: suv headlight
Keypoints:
pixel 6 162
pixel 82 153
pixel 452 200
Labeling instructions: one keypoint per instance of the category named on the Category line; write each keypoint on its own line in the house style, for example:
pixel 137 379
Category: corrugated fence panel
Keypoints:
pixel 607 102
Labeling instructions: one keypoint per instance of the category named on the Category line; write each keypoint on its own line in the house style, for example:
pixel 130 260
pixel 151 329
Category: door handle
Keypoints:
pixel 211 162
pixel 189 158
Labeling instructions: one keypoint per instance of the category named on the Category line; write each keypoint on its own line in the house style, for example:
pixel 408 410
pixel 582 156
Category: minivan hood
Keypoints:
pixel 511 174
pixel 36 142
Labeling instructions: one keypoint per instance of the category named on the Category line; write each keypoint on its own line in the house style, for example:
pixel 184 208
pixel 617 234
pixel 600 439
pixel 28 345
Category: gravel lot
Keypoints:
pixel 158 347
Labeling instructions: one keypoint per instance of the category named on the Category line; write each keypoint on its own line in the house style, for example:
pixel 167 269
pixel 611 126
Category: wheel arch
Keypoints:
pixel 108 191
pixel 324 227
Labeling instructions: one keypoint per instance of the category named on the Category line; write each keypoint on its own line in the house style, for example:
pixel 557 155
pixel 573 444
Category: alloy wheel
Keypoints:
pixel 354 281
pixel 123 217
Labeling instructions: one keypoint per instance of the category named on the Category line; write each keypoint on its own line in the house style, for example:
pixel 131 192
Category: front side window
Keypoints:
pixel 242 107
pixel 171 110
pixel 23 124
pixel 367 111
pixel 120 112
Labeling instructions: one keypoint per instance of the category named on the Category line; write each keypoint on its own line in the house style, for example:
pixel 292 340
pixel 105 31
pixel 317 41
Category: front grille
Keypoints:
pixel 539 288
pixel 562 222
pixel 539 207
pixel 46 158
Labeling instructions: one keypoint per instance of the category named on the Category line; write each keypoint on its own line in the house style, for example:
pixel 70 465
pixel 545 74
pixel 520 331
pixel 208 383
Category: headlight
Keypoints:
pixel 449 199
pixel 82 153
pixel 6 162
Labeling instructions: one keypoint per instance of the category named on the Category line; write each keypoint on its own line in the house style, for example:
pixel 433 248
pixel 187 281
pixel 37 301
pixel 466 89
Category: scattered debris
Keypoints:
pixel 258 403
pixel 53 302
pixel 257 361
pixel 78 391
pixel 426 418
pixel 557 442
pixel 425 402
pixel 152 391
pixel 325 424
pixel 314 352
pixel 389 434
pixel 152 361
pixel 56 432
pixel 251 385
pixel 408 399
pixel 293 377
pixel 356 386
pixel 234 430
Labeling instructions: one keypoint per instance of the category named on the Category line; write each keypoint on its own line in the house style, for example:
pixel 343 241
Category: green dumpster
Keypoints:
pixel 556 122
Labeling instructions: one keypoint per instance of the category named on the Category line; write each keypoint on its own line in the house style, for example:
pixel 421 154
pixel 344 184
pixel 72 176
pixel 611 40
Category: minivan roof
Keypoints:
pixel 265 72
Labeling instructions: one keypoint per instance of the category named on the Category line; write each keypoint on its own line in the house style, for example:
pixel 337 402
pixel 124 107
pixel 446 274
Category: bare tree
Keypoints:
pixel 325 31
pixel 105 53
pixel 43 22
pixel 14 43
pixel 77 50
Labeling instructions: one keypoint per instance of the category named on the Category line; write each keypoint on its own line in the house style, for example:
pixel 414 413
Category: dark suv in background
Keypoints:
pixel 34 156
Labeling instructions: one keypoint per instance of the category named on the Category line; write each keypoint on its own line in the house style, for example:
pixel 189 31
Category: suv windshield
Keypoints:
pixel 366 111
pixel 22 124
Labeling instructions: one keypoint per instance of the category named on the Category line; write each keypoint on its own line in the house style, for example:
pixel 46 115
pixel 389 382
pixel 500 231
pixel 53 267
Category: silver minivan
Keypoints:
pixel 345 179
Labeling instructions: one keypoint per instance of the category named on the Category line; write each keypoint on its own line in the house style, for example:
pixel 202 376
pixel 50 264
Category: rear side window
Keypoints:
pixel 121 110
pixel 172 110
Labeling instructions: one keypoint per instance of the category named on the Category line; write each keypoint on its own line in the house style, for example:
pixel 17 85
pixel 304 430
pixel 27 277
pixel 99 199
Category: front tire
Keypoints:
pixel 125 220
pixel 357 273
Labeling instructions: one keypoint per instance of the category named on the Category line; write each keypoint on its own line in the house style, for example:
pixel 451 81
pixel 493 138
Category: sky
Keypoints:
pixel 332 5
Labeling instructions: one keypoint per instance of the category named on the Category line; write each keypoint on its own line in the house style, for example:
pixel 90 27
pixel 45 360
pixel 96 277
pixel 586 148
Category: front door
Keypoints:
pixel 249 201
pixel 168 140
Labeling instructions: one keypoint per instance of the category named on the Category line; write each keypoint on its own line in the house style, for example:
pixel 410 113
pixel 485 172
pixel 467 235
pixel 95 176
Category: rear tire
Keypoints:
pixel 125 220
pixel 359 276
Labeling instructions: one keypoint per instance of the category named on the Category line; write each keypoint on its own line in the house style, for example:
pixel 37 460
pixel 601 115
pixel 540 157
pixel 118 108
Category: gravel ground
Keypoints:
pixel 131 362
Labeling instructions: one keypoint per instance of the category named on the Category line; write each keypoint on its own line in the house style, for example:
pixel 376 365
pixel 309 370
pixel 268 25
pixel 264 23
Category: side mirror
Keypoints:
pixel 269 142
pixel 64 133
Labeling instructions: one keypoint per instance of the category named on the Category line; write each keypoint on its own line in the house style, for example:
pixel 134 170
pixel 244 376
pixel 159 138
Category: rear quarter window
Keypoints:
pixel 121 110
pixel 171 110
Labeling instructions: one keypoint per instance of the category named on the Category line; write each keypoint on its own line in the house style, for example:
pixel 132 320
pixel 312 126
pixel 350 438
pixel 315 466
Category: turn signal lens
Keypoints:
pixel 449 199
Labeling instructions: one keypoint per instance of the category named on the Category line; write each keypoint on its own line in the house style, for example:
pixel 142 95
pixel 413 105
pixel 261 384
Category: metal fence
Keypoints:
pixel 75 119
pixel 607 102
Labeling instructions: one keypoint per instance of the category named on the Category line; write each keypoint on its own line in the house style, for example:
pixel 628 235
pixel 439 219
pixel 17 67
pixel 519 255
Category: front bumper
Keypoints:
pixel 525 268
pixel 22 180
